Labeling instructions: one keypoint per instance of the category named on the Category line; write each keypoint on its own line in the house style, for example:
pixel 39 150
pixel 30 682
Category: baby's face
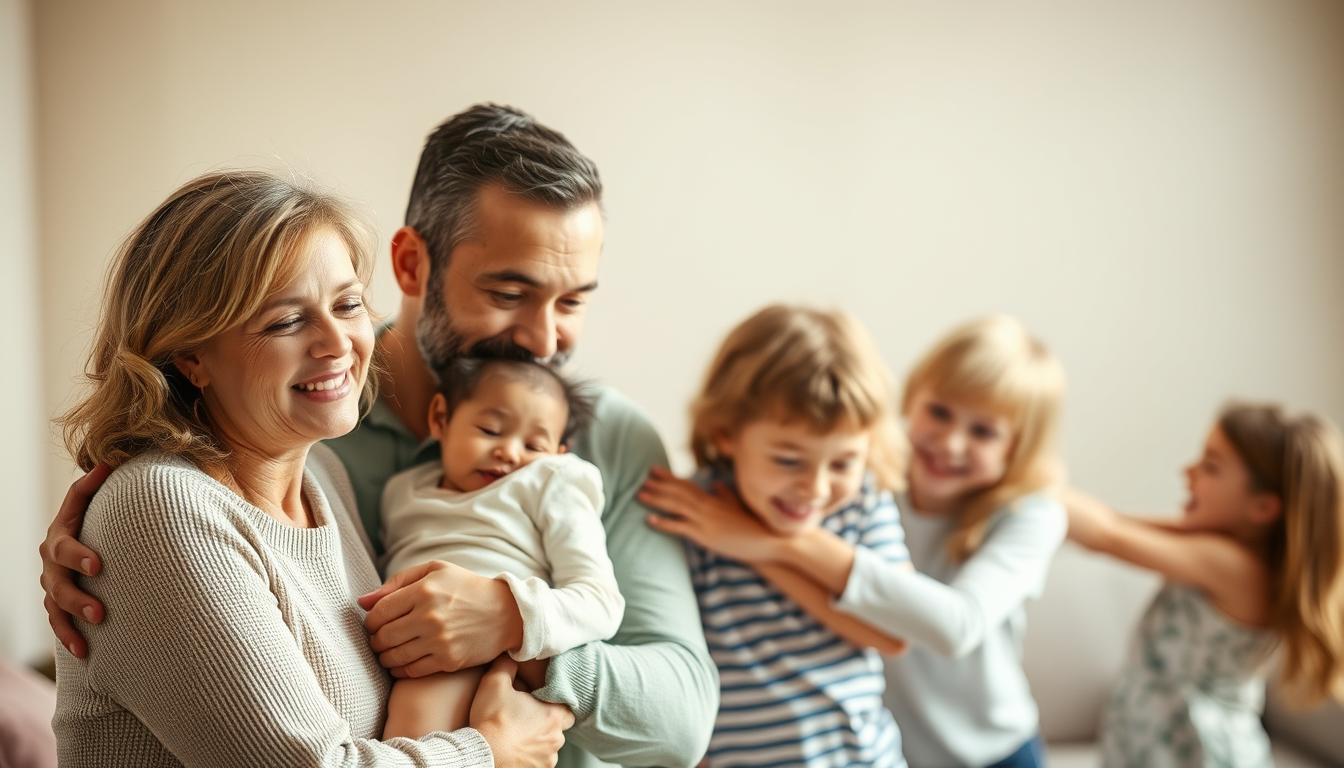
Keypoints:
pixel 507 423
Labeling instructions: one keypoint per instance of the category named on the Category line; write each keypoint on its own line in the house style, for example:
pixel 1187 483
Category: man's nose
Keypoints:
pixel 537 334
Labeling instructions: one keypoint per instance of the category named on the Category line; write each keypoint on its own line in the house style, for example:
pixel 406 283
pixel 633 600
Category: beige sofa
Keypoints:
pixel 1077 636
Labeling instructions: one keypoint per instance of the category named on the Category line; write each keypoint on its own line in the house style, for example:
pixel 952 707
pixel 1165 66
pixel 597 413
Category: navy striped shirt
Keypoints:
pixel 793 692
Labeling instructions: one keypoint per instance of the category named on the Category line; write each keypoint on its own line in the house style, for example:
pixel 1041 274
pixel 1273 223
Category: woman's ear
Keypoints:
pixel 410 261
pixel 438 416
pixel 189 365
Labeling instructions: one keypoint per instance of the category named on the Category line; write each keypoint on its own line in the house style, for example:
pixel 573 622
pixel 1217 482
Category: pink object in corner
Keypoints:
pixel 27 702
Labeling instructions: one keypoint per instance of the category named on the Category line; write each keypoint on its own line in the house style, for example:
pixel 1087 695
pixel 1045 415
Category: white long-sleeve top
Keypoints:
pixel 538 528
pixel 959 693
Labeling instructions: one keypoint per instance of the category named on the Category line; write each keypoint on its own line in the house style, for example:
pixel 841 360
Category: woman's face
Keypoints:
pixel 291 374
pixel 958 450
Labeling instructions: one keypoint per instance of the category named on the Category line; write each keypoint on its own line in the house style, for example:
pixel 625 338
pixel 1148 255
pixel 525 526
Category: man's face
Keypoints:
pixel 519 287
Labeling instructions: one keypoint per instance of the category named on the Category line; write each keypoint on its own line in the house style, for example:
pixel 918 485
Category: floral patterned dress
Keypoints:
pixel 1192 690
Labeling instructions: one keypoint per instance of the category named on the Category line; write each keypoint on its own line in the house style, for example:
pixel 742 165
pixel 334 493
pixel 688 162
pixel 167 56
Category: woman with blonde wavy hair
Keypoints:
pixel 1255 564
pixel 233 337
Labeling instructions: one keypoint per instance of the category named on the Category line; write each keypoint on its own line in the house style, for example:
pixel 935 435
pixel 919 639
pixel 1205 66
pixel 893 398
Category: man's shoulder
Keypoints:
pixel 620 434
pixel 613 410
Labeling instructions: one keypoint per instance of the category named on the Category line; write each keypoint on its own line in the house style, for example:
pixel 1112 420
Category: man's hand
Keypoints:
pixel 438 617
pixel 520 730
pixel 62 555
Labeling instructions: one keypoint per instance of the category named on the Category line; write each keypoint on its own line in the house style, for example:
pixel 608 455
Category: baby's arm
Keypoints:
pixel 440 702
pixel 582 603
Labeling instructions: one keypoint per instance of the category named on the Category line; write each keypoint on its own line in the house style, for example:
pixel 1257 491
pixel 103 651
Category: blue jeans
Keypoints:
pixel 1029 755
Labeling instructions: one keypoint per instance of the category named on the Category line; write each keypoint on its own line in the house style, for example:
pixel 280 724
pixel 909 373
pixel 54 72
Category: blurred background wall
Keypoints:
pixel 1156 188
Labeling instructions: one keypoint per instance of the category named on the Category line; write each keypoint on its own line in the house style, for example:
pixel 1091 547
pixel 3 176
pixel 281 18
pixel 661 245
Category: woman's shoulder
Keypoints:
pixel 155 501
pixel 330 474
pixel 157 481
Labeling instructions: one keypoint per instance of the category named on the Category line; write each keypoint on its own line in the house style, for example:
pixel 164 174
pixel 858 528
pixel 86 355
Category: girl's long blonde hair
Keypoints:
pixel 205 260
pixel 1300 459
pixel 797 363
pixel 995 364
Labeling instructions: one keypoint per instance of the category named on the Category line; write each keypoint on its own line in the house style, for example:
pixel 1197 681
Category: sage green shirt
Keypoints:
pixel 650 694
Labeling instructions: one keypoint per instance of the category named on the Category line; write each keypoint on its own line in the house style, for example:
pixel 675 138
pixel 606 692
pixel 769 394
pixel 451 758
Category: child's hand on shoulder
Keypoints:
pixel 714 521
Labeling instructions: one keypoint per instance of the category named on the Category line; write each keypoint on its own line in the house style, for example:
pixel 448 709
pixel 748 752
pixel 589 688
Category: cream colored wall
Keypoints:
pixel 1154 187
pixel 23 633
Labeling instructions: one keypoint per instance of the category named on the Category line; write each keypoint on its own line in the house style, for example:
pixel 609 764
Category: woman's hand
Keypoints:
pixel 715 521
pixel 438 617
pixel 522 731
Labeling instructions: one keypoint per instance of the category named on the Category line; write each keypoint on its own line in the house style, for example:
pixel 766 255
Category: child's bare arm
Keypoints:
pixel 1221 566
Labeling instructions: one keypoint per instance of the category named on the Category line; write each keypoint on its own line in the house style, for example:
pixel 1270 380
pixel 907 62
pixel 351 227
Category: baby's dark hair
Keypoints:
pixel 459 379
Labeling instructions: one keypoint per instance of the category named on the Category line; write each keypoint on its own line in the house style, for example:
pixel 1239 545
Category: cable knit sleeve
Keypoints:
pixel 230 638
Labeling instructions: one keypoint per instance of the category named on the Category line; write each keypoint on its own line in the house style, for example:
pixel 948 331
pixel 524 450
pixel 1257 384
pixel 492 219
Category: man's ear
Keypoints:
pixel 189 365
pixel 410 261
pixel 438 416
pixel 1266 508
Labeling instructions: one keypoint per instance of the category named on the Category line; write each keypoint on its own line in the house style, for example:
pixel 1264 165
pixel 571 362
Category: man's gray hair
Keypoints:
pixel 491 144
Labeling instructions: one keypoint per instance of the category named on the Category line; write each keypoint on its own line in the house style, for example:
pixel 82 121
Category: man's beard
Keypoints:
pixel 440 343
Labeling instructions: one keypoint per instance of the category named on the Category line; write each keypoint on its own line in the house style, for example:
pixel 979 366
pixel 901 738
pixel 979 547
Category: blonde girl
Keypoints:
pixel 793 431
pixel 981 410
pixel 1256 562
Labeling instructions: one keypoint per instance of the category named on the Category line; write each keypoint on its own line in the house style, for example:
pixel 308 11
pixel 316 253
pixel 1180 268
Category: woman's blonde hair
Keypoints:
pixel 796 363
pixel 993 363
pixel 1300 459
pixel 204 261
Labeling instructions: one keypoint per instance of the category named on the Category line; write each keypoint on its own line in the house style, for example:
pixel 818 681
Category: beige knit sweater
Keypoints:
pixel 231 639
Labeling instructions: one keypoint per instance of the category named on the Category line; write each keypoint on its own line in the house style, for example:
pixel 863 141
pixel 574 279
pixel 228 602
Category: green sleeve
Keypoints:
pixel 649 695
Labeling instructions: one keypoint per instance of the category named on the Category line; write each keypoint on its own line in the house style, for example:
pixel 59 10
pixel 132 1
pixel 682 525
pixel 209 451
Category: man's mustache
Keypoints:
pixel 502 347
pixel 499 348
